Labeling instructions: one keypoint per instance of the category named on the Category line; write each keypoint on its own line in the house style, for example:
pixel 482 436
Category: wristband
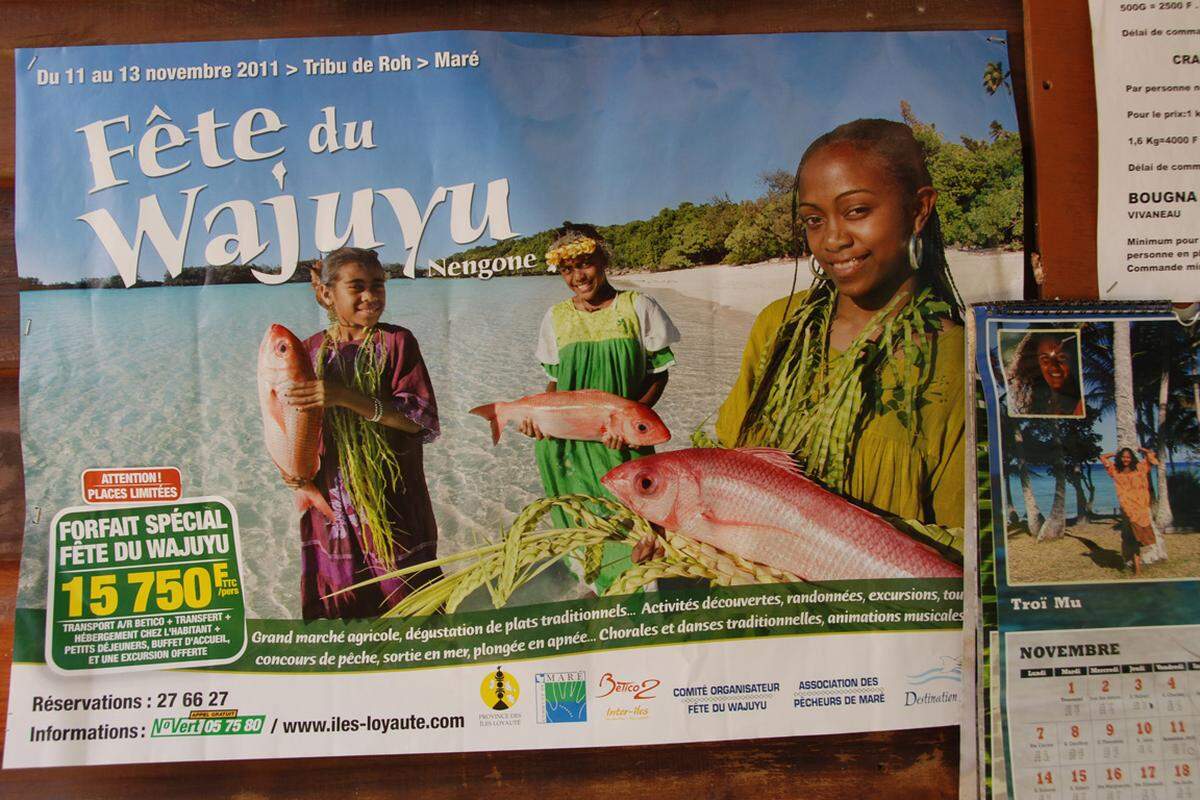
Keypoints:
pixel 378 415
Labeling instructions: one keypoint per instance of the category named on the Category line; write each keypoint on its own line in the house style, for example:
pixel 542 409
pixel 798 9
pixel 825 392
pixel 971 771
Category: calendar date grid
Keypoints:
pixel 1106 732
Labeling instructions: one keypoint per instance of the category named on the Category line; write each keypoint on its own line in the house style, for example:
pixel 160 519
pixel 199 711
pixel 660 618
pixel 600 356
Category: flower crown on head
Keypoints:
pixel 581 246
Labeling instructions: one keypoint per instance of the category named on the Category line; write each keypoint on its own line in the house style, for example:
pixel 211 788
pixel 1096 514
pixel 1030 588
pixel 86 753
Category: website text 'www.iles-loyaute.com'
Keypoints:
pixel 334 724
pixel 369 723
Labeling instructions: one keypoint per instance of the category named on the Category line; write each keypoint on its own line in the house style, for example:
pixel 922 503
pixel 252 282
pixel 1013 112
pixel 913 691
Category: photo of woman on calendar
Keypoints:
pixel 1131 479
pixel 1044 377
pixel 1100 437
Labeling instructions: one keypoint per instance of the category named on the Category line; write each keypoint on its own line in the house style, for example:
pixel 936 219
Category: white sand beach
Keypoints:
pixel 980 275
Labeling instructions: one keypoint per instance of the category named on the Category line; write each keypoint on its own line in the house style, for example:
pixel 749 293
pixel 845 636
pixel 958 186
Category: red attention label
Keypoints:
pixel 136 485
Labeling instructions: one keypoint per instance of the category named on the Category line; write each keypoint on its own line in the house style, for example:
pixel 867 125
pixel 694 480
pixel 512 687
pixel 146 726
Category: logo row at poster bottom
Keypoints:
pixel 780 686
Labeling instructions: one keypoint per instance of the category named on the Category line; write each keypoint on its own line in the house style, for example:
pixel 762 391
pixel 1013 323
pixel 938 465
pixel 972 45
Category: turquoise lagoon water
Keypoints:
pixel 166 377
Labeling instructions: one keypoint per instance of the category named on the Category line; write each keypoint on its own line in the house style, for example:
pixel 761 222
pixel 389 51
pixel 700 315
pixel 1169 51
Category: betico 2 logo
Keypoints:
pixel 636 690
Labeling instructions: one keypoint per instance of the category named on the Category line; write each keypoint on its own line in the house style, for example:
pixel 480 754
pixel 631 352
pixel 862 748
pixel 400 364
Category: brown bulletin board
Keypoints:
pixel 1062 102
pixel 1047 39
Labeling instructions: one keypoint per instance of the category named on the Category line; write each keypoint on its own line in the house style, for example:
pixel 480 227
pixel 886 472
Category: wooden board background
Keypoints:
pixel 1050 50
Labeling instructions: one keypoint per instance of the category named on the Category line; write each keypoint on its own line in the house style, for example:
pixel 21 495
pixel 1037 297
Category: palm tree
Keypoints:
pixel 995 76
pixel 1163 394
pixel 1033 514
pixel 1123 386
pixel 1044 447
pixel 1055 526
pixel 1080 447
pixel 1066 448
pixel 1008 502
pixel 1083 499
pixel 1163 515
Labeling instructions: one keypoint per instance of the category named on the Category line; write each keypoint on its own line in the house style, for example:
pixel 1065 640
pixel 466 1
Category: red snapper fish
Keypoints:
pixel 293 436
pixel 582 414
pixel 755 503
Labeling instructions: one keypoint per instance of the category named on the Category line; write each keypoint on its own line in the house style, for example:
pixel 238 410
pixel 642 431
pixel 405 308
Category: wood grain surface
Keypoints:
pixel 909 764
pixel 1062 99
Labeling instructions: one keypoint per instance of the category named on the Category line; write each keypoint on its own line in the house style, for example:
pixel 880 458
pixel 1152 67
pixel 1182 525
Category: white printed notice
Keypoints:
pixel 1148 113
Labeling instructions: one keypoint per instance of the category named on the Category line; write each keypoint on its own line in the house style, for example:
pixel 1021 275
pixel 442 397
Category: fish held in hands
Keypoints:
pixel 583 414
pixel 755 503
pixel 293 436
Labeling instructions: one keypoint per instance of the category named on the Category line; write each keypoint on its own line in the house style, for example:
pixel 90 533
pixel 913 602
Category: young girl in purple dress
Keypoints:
pixel 379 413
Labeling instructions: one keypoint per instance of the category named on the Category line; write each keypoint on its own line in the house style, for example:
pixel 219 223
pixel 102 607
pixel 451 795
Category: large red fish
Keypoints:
pixel 293 436
pixel 583 414
pixel 755 503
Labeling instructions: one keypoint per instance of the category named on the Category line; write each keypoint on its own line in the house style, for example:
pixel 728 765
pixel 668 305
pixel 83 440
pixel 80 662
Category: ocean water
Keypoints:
pixel 166 377
pixel 1105 501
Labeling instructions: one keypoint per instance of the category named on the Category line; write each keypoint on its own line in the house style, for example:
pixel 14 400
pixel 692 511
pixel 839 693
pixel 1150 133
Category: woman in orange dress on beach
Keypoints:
pixel 1132 481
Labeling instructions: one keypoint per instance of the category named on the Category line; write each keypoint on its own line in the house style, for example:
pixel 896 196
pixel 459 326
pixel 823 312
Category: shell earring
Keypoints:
pixel 916 249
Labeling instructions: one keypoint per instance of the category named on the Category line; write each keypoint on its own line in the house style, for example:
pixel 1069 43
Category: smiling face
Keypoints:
pixel 858 220
pixel 586 278
pixel 358 295
pixel 1054 362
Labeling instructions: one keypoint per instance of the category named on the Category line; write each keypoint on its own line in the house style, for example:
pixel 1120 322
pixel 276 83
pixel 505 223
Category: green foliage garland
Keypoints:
pixel 813 403
pixel 366 459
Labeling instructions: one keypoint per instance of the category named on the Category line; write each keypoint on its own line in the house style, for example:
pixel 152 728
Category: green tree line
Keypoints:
pixel 980 185
pixel 188 276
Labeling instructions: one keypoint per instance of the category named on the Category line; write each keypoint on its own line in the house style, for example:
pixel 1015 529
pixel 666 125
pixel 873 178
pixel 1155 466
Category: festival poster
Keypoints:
pixel 470 391
pixel 1089 524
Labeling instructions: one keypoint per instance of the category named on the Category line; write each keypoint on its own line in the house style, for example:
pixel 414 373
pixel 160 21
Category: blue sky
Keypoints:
pixel 604 130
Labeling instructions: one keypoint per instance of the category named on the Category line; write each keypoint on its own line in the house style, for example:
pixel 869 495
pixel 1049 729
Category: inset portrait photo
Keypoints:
pixel 1042 373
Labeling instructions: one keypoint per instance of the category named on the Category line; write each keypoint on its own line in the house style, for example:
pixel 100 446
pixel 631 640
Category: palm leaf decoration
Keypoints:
pixel 814 402
pixel 367 462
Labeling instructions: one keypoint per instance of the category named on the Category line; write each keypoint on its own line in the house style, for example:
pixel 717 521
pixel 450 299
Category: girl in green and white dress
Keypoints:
pixel 599 338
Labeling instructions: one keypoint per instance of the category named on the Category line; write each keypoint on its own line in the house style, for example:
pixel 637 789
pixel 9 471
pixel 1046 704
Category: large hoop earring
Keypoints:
pixel 814 267
pixel 916 248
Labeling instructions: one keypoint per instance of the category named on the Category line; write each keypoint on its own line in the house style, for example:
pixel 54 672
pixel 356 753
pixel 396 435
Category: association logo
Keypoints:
pixel 817 694
pixel 561 696
pixel 499 690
